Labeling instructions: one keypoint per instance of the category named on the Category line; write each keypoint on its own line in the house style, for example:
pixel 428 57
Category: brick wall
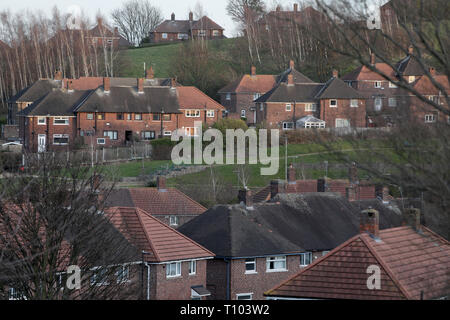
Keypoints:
pixel 274 114
pixel 356 115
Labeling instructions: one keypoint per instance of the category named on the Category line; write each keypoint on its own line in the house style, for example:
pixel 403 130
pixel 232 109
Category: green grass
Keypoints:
pixel 136 168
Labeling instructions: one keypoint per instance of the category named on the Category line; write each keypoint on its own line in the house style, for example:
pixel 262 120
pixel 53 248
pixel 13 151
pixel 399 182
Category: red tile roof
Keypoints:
pixel 161 242
pixel 425 86
pixel 251 84
pixel 410 262
pixel 192 97
pixel 364 73
pixel 169 202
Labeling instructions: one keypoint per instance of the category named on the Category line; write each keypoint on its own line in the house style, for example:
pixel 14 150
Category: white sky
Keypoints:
pixel 215 9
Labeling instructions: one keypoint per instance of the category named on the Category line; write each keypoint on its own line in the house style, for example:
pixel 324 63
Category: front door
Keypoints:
pixel 42 143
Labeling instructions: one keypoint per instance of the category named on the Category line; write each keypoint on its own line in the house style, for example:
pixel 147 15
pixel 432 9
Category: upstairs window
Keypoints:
pixel 100 116
pixel 216 33
pixel 430 118
pixel 138 117
pixel 311 107
pixel 202 33
pixel 173 221
pixel 156 117
pixel 89 116
pixel 193 113
pixel 164 35
pixel 274 264
pixel 129 117
pixel 61 121
pixel 167 117
pixel 120 116
pixel 250 265
pixel 228 96
pixel 256 96
pixel 377 84
pixel 173 270
pixel 123 274
pixel 192 267
pixel 42 120
pixel 305 259
pixel 288 107
pixel 411 79
pixel 333 103
pixel 210 113
pixel 392 85
pixel 354 103
pixel 392 102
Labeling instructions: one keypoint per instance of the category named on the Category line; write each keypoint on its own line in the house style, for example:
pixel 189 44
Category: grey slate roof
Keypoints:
pixel 56 103
pixel 409 66
pixel 205 23
pixel 299 222
pixel 127 99
pixel 298 92
pixel 335 88
pixel 298 76
pixel 36 91
pixel 174 26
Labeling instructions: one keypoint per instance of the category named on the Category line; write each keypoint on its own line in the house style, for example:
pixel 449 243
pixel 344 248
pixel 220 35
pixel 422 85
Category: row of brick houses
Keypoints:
pixel 179 30
pixel 57 114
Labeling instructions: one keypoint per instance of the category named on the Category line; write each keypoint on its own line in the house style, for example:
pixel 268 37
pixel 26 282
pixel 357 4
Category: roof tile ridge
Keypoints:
pixel 388 270
pixel 175 231
pixel 137 212
pixel 343 245
pixel 189 198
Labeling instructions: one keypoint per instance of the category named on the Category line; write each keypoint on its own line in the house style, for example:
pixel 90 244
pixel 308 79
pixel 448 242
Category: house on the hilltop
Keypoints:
pixel 179 30
pixel 169 205
pixel 410 262
pixel 258 244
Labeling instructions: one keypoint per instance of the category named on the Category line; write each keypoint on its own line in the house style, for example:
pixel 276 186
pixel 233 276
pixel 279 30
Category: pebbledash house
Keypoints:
pixel 107 112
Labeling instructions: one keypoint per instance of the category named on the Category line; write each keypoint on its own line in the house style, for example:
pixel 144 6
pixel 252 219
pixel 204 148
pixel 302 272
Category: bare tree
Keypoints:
pixel 136 19
pixel 51 217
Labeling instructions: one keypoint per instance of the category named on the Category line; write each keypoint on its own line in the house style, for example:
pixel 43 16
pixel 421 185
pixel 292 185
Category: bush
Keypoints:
pixel 228 123
pixel 162 149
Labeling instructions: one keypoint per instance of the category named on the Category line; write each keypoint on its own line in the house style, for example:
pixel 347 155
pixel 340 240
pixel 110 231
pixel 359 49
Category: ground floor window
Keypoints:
pixel 244 296
pixel 320 125
pixel 148 135
pixel 60 139
pixel 110 134
pixel 430 118
pixel 191 131
pixel 342 123
pixel 288 125
pixel 101 141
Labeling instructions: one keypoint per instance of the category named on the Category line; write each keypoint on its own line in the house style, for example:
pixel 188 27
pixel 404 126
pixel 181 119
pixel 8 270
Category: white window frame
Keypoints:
pixel 392 85
pixel 256 96
pixel 90 115
pixel 173 221
pixel 187 132
pixel 123 274
pixel 288 107
pixel 138 116
pixel 93 280
pixel 411 79
pixel 216 33
pixel 192 113
pixel 101 141
pixel 177 266
pixel 61 136
pixel 380 104
pixel 40 123
pixel 335 105
pixel 210 113
pixel 240 295
pixel 342 120
pixel 392 102
pixel 354 103
pixel 151 135
pixel 377 84
pixel 305 259
pixel 114 136
pixel 312 107
pixel 164 36
pixel 288 125
pixel 430 118
pixel 66 121
pixel 324 253
pixel 202 33
pixel 250 261
pixel 167 133
pixel 243 113
pixel 192 267
pixel 274 260
pixel 228 96
pixel 318 125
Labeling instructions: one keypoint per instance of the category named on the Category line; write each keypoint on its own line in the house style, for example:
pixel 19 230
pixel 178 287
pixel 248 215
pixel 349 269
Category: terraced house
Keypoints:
pixel 292 105
pixel 106 112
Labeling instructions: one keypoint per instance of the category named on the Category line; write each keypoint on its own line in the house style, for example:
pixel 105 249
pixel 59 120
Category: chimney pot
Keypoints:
pixel 245 196
pixel 140 85
pixel 411 217
pixel 291 64
pixel 370 222
pixel 253 71
pixel 351 193
pixel 70 85
pixel 291 79
pixel 275 188
pixel 161 183
pixel 432 71
pixel 107 84
pixel 58 75
pixel 173 17
pixel 335 74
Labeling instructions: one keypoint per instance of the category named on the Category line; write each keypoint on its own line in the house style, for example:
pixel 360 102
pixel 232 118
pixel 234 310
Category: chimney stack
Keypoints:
pixel 372 59
pixel 432 71
pixel 335 73
pixel 161 183
pixel 191 16
pixel 353 173
pixel 292 179
pixel 370 222
pixel 58 75
pixel 320 185
pixel 149 74
pixel 69 85
pixel 107 84
pixel 275 188
pixel 253 71
pixel 245 196
pixel 290 79
pixel 411 217
pixel 99 21
pixel 140 85
pixel 291 64
pixel 173 82
pixel 295 7
pixel 351 193
pixel 410 50
pixel 173 17
pixel 278 8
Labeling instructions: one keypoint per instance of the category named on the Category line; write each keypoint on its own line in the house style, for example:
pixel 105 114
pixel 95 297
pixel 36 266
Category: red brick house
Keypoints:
pixel 179 30
pixel 169 205
pixel 109 112
pixel 239 96
pixel 101 36
pixel 174 266
pixel 332 105
pixel 256 245
pixel 412 262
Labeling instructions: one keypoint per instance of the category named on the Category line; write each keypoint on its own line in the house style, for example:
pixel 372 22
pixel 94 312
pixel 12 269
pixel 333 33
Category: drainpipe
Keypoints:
pixel 228 278
pixel 148 280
